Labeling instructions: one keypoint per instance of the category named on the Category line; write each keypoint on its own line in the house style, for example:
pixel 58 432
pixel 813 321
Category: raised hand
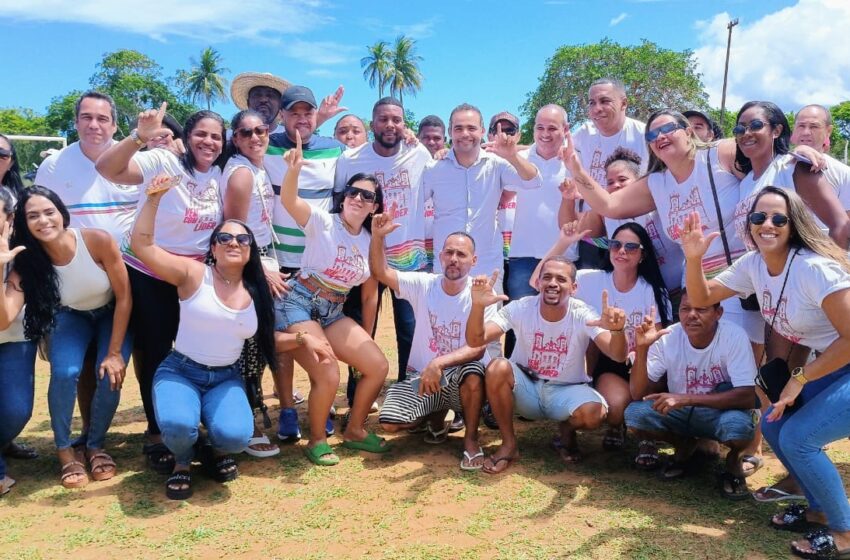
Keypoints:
pixel 410 138
pixel 161 183
pixel 150 123
pixel 694 243
pixel 571 234
pixel 294 157
pixel 8 255
pixel 503 145
pixel 569 155
pixel 645 333
pixel 329 107
pixel 568 189
pixel 483 293
pixel 382 224
pixel 611 318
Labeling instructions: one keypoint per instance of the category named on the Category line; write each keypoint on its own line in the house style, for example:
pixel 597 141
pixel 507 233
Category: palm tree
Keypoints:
pixel 376 66
pixel 204 80
pixel 404 75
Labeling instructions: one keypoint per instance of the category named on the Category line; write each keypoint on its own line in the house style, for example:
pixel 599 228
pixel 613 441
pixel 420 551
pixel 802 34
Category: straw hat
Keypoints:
pixel 242 84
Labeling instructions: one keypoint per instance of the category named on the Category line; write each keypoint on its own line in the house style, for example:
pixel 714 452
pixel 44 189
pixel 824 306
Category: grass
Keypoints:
pixel 413 503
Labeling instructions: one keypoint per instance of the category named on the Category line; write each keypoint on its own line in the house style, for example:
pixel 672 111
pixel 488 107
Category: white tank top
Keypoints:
pixel 211 333
pixel 15 331
pixel 82 284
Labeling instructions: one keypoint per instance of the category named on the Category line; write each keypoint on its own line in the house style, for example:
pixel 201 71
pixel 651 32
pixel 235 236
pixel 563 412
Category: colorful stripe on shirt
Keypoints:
pixel 330 286
pixel 506 243
pixel 89 208
pixel 407 256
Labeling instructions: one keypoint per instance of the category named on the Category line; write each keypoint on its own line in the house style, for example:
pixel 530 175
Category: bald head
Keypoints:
pixel 812 127
pixel 815 111
pixel 552 111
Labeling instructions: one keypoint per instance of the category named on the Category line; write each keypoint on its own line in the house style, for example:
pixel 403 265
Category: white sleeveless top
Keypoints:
pixel 211 333
pixel 15 330
pixel 82 284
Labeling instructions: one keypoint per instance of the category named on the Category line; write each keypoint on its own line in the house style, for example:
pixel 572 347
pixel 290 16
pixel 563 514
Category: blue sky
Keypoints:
pixel 490 54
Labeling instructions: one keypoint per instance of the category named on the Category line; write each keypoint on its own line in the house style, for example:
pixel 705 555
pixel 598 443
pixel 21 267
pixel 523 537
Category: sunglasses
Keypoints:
pixel 509 130
pixel 753 126
pixel 652 135
pixel 224 238
pixel 366 196
pixel 260 130
pixel 758 218
pixel 5 154
pixel 629 246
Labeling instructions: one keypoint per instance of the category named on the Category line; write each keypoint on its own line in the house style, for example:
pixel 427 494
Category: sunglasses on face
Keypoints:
pixel 224 238
pixel 758 218
pixel 260 130
pixel 5 154
pixel 630 246
pixel 366 196
pixel 652 135
pixel 753 126
pixel 509 130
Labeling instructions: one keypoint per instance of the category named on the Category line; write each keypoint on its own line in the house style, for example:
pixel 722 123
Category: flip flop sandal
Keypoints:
pixel 436 437
pixel 647 458
pixel 322 455
pixel 570 455
pixel 614 439
pixel 178 479
pixel 496 462
pixel 468 458
pixel 756 463
pixel 767 494
pixel 673 470
pixel 733 487
pixel 102 466
pixel 822 547
pixel 794 520
pixel 159 457
pixel 7 482
pixel 261 453
pixel 20 451
pixel 72 468
pixel 371 443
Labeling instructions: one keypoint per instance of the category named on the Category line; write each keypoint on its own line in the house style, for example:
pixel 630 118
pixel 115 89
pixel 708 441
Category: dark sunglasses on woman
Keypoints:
pixel 224 238
pixel 758 218
pixel 753 126
pixel 366 196
pixel 630 246
pixel 668 128
pixel 261 130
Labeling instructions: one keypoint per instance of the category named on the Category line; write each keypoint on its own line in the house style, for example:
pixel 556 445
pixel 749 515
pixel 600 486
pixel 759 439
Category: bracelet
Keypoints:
pixel 618 330
pixel 299 338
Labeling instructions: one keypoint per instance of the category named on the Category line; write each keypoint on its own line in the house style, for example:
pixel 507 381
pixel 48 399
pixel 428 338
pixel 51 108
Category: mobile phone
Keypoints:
pixel 802 158
pixel 444 382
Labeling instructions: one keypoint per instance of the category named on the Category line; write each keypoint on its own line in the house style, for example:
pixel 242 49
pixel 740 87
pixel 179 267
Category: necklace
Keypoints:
pixel 346 225
pixel 220 275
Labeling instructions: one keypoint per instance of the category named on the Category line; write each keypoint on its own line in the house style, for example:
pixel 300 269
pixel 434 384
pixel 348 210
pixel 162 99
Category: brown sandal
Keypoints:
pixel 73 468
pixel 102 466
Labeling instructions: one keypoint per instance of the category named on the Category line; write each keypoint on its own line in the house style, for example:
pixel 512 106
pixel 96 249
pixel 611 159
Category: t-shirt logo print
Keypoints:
pixel 705 381
pixel 546 357
pixel 396 190
pixel 446 337
pixel 346 268
pixel 597 167
pixel 203 206
pixel 780 323
pixel 679 209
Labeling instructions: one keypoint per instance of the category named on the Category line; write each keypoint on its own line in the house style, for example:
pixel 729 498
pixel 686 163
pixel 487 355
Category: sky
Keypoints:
pixel 792 52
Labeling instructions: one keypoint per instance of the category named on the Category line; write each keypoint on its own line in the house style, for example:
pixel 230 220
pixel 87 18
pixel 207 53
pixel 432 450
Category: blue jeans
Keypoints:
pixel 300 305
pixel 517 273
pixel 67 346
pixel 17 379
pixel 798 439
pixel 692 421
pixel 186 393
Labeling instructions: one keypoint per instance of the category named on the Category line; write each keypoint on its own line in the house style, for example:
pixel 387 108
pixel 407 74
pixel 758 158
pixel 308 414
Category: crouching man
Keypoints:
pixel 709 393
pixel 546 375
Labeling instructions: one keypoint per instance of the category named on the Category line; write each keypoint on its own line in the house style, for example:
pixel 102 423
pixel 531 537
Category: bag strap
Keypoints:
pixel 775 312
pixel 717 208
pixel 275 239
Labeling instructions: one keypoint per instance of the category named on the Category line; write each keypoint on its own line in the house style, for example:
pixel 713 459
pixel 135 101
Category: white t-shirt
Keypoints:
pixel 440 318
pixel 187 213
pixel 637 302
pixel 838 175
pixel 556 350
pixel 261 200
pixel 334 257
pixel 669 254
pixel 675 200
pixel 535 226
pixel 400 178
pixel 697 371
pixel 92 201
pixel 799 315
pixel 594 148
pixel 780 173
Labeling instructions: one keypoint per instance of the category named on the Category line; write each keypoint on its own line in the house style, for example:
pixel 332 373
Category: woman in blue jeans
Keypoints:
pixel 802 280
pixel 76 291
pixel 221 306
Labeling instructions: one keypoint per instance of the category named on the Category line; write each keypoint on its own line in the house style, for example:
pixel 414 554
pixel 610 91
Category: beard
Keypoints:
pixel 379 138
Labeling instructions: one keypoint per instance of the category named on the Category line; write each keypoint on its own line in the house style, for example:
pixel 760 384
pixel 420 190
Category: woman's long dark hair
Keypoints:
pixel 339 197
pixel 188 159
pixel 39 280
pixel 254 280
pixel 775 117
pixel 231 149
pixel 648 269
pixel 12 178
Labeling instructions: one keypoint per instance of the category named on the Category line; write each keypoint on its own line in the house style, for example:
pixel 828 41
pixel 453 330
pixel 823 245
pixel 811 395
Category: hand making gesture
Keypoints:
pixel 329 107
pixel 694 243
pixel 570 234
pixel 382 224
pixel 7 255
pixel 569 191
pixel 569 155
pixel 646 334
pixel 483 293
pixel 150 123
pixel 611 318
pixel 503 145
pixel 161 184
pixel 294 157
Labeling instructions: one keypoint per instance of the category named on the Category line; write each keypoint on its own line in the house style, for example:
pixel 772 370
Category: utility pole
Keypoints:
pixel 731 24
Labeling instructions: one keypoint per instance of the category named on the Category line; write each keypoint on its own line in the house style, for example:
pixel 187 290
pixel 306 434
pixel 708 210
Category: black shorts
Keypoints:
pixel 606 365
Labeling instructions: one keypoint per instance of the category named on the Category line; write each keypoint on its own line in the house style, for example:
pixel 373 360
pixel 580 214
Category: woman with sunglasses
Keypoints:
pixel 187 213
pixel 803 282
pixel 335 260
pixel 76 291
pixel 10 170
pixel 222 304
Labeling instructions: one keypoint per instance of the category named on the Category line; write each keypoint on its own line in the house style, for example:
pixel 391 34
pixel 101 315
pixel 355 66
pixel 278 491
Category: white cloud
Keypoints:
pixel 619 19
pixel 323 53
pixel 794 56
pixel 321 73
pixel 417 30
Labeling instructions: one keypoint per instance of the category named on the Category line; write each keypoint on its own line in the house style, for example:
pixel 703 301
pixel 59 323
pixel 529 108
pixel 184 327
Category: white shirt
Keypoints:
pixel 400 178
pixel 674 201
pixel 535 225
pixel 799 314
pixel 440 318
pixel 697 371
pixel 838 175
pixel 637 302
pixel 92 201
pixel 554 350
pixel 780 173
pixel 466 199
pixel 334 257
pixel 594 148
pixel 261 199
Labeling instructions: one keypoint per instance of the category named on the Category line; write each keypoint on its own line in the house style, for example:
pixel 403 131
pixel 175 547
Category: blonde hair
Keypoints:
pixel 655 165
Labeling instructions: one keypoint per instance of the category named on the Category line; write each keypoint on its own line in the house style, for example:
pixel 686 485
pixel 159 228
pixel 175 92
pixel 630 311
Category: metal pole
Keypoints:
pixel 731 24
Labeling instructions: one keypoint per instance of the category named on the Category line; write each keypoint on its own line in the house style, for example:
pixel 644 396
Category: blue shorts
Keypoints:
pixel 537 398
pixel 301 305
pixel 693 421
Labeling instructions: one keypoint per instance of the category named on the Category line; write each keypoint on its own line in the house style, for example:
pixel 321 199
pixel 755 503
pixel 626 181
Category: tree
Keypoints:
pixel 376 65
pixel 404 75
pixel 840 130
pixel 654 78
pixel 60 115
pixel 204 80
pixel 26 122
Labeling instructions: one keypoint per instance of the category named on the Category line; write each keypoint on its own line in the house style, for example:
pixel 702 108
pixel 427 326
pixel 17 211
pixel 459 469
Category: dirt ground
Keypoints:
pixel 412 503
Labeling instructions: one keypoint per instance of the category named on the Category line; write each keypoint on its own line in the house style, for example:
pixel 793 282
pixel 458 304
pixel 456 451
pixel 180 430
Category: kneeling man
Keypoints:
pixel 546 375
pixel 709 393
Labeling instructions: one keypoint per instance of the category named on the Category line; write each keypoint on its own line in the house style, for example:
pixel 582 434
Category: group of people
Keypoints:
pixel 640 273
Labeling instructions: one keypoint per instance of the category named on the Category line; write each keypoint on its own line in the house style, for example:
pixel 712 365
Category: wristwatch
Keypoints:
pixel 799 374
pixel 134 136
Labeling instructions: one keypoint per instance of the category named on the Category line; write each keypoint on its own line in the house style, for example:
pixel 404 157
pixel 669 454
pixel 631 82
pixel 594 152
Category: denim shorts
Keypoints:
pixel 540 398
pixel 301 305
pixel 693 421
